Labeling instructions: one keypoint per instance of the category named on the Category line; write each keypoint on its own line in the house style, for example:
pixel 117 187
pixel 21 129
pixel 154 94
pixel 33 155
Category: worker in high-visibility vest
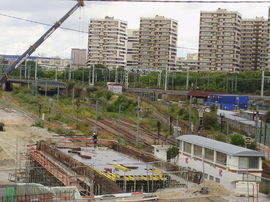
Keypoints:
pixel 95 136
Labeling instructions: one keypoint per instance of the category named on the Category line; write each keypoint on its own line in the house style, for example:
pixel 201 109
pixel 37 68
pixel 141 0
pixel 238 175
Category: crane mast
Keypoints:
pixel 31 49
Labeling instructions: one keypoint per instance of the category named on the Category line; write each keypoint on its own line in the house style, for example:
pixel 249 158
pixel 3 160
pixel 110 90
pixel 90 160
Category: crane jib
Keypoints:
pixel 30 50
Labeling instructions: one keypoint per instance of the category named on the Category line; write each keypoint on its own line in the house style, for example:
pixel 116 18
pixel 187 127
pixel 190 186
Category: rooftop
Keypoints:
pixel 162 147
pixel 223 147
pixel 233 116
pixel 103 158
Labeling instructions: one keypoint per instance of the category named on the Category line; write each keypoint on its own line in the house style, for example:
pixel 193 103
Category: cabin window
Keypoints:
pixel 221 158
pixel 180 145
pixel 197 150
pixel 248 162
pixel 209 154
pixel 187 147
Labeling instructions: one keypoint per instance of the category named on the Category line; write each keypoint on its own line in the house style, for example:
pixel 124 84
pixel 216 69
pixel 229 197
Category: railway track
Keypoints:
pixel 126 134
pixel 148 132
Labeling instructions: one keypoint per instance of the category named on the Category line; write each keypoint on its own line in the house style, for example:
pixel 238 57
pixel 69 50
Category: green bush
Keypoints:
pixel 220 137
pixel 39 124
pixel 172 152
pixel 238 140
pixel 210 121
pixel 126 104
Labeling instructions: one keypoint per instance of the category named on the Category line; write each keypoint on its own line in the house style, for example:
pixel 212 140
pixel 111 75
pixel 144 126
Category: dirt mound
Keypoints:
pixel 214 188
pixel 7 162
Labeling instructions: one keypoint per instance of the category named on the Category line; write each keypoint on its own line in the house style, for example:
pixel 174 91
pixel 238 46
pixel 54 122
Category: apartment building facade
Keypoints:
pixel 132 48
pixel 107 42
pixel 157 43
pixel 254 44
pixel 78 56
pixel 219 40
pixel 189 63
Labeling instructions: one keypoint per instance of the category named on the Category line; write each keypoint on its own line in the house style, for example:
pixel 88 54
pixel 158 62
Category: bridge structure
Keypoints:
pixel 151 91
pixel 40 83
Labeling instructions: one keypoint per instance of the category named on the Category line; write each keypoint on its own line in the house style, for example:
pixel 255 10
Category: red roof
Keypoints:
pixel 201 93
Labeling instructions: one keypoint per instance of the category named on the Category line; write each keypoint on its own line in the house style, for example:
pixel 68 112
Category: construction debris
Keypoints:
pixel 213 189
pixel 2 126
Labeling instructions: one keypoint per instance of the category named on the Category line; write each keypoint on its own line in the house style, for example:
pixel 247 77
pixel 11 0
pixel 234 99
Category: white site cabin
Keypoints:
pixel 224 163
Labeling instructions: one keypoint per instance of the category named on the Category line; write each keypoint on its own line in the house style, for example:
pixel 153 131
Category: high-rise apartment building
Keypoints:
pixel 78 57
pixel 132 48
pixel 107 42
pixel 157 43
pixel 254 44
pixel 219 40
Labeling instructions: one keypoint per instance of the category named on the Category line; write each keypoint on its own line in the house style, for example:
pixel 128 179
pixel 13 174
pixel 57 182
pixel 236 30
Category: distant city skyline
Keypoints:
pixel 16 36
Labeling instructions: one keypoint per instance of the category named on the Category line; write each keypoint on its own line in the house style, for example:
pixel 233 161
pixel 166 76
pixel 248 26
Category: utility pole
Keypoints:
pixel 89 78
pixel 116 76
pixel 126 79
pixel 208 80
pixel 69 73
pixel 262 83
pixel 25 70
pixel 138 120
pixel 235 84
pixel 166 77
pixel 36 77
pixel 56 70
pixel 93 75
pixel 190 110
pixel 159 79
pixel 187 80
pixel 73 95
pixel 58 94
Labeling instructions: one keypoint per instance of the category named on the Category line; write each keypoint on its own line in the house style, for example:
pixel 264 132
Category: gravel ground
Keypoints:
pixel 13 141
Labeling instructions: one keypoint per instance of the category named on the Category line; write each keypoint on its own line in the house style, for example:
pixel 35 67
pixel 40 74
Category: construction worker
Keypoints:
pixel 95 139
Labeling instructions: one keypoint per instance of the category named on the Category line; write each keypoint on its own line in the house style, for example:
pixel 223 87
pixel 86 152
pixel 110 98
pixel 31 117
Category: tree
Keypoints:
pixel 238 140
pixel 172 152
pixel 210 120
pixel 267 116
pixel 253 145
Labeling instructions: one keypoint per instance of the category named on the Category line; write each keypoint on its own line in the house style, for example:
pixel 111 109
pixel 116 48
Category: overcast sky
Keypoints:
pixel 16 36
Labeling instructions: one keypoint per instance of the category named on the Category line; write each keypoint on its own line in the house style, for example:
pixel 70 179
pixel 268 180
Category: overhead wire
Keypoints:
pixel 69 29
pixel 187 2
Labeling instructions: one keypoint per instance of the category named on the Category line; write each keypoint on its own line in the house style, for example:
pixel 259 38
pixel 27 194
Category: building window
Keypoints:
pixel 187 147
pixel 209 154
pixel 248 162
pixel 221 158
pixel 197 150
pixel 211 177
pixel 205 176
pixel 217 180
pixel 180 145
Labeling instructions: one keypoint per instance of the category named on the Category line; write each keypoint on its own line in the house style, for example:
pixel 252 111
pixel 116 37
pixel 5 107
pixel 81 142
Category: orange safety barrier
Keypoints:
pixel 23 199
pixel 65 197
pixel 88 197
pixel 51 167
pixel 46 198
pixel 137 193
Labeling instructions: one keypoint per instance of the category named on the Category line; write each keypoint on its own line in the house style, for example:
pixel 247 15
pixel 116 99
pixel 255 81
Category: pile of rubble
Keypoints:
pixel 213 189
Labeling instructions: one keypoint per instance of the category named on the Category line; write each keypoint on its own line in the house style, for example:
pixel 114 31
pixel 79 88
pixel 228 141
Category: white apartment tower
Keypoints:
pixel 254 43
pixel 219 40
pixel 132 48
pixel 107 42
pixel 157 43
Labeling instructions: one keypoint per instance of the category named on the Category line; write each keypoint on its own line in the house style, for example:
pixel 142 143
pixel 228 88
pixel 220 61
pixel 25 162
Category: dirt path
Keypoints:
pixel 14 140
